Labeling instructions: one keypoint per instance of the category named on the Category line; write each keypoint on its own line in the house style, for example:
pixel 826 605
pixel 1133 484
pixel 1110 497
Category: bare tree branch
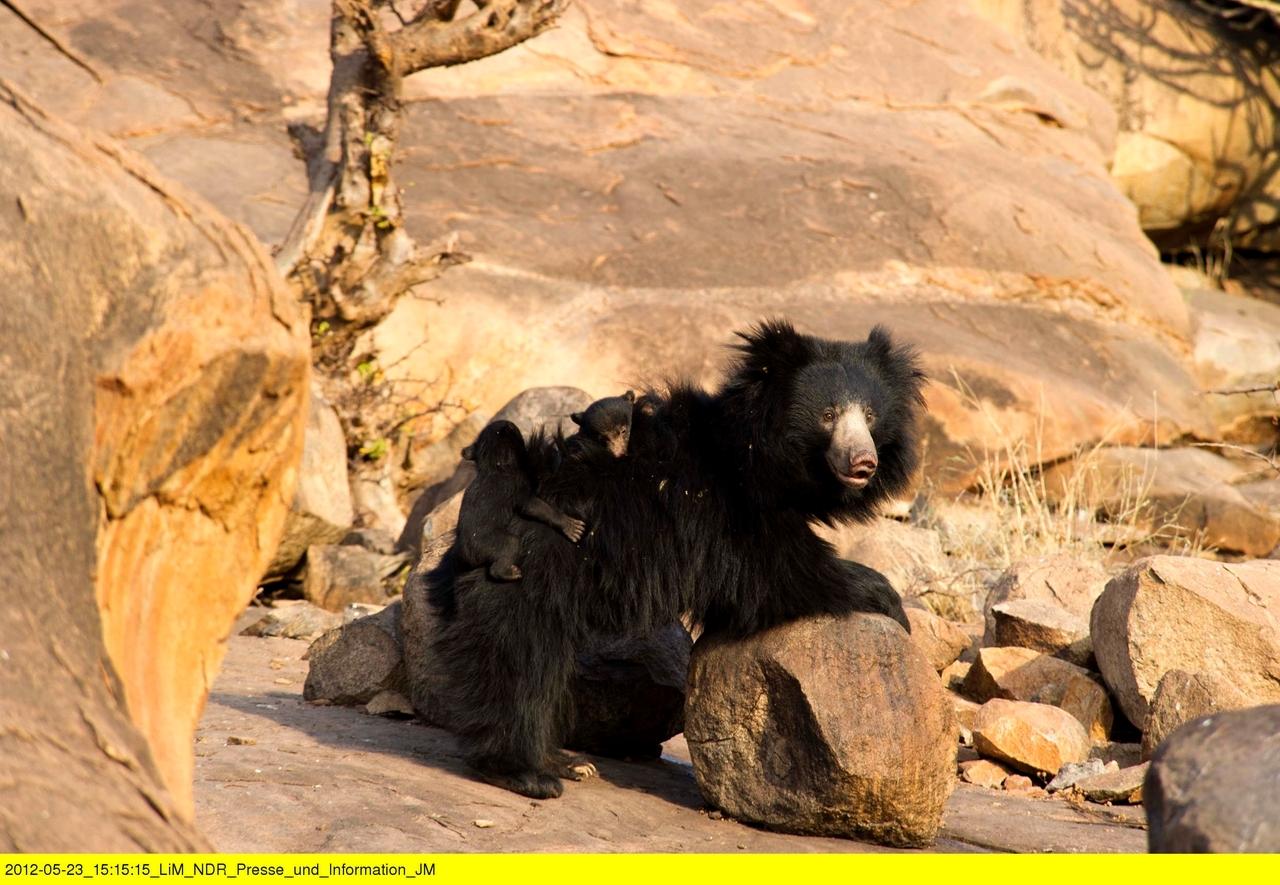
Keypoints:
pixel 497 26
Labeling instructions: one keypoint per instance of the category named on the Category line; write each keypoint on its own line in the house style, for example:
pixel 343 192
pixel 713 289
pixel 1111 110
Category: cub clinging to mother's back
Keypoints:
pixel 500 497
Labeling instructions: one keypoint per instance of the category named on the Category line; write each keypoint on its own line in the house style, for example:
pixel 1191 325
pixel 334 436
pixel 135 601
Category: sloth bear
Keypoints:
pixel 500 499
pixel 608 422
pixel 708 516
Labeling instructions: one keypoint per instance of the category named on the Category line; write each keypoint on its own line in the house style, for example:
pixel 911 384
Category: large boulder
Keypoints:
pixel 836 726
pixel 155 384
pixel 355 663
pixel 1178 613
pixel 1212 786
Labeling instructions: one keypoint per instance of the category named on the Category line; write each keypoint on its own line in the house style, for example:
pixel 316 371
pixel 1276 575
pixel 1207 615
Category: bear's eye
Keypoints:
pixel 870 415
pixel 828 416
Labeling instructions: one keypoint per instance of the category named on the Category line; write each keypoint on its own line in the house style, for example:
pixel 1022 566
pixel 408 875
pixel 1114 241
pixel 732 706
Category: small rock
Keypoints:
pixel 482 823
pixel 1022 785
pixel 779 736
pixel 339 576
pixel 1180 697
pixel 1180 613
pixel 356 662
pixel 235 741
pixel 954 674
pixel 1072 772
pixel 1044 627
pixel 1065 581
pixel 1024 675
pixel 1035 738
pixel 389 702
pixel 1122 785
pixel 301 620
pixel 983 773
pixel 941 640
pixel 1116 754
pixel 1211 786
pixel 373 539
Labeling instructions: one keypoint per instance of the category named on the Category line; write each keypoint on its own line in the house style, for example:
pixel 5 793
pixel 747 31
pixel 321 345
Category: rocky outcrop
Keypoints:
pixel 1177 613
pixel 781 736
pixel 152 410
pixel 357 662
pixel 1211 786
pixel 1043 626
pixel 1196 97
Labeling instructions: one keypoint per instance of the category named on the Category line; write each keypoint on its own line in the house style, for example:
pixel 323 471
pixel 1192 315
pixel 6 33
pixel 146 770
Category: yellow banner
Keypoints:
pixel 738 869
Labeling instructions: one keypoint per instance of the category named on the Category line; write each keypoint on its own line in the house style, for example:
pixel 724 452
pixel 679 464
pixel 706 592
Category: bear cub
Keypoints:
pixel 607 422
pixel 499 498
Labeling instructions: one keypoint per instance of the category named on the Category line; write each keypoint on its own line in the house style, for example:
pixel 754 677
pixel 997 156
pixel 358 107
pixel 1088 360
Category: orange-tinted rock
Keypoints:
pixel 179 365
pixel 1031 737
pixel 1025 675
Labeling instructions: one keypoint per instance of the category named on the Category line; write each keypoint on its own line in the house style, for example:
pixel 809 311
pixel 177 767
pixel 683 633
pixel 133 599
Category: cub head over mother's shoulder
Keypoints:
pixel 832 426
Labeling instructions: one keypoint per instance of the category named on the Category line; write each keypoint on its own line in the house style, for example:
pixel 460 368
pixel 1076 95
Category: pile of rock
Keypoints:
pixel 1082 687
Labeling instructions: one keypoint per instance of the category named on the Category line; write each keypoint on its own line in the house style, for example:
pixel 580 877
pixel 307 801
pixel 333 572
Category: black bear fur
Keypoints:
pixel 708 516
pixel 499 501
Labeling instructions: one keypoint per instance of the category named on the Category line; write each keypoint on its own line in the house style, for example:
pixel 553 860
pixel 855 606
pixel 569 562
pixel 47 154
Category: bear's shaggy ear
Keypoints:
pixel 629 396
pixel 899 363
pixel 577 418
pixel 469 453
pixel 772 349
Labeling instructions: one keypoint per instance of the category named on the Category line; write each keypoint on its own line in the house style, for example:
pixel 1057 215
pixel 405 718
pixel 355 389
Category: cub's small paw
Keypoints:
pixel 506 573
pixel 574 529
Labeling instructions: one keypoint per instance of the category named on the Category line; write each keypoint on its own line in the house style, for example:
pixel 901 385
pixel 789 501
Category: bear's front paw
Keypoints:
pixel 573 529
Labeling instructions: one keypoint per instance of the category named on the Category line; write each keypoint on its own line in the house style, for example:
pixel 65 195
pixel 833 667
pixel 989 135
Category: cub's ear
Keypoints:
pixel 469 453
pixel 899 362
pixel 577 418
pixel 772 349
pixel 629 396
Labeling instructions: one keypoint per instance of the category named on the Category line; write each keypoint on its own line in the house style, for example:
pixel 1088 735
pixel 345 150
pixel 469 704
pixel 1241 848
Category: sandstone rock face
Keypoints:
pixel 1031 737
pixel 1176 613
pixel 835 726
pixel 1196 139
pixel 1175 491
pixel 1211 786
pixel 1043 626
pixel 1064 581
pixel 156 375
pixel 321 512
pixel 355 663
pixel 1025 675
pixel 1180 697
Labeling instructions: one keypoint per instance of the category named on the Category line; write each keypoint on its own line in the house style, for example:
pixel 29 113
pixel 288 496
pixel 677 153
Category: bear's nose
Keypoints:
pixel 862 466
